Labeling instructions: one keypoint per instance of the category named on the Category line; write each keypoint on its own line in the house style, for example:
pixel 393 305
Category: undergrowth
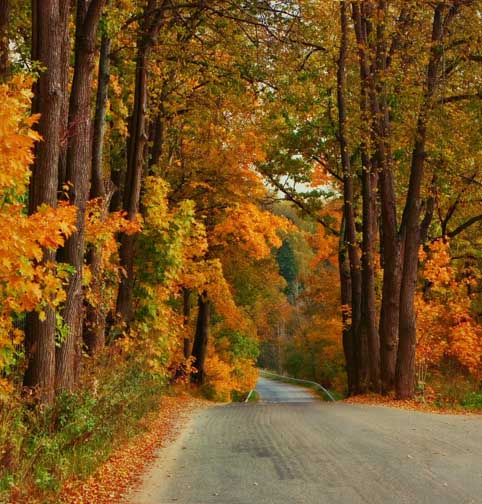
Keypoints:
pixel 42 448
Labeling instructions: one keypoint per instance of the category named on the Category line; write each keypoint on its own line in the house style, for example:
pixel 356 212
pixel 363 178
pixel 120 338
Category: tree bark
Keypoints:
pixel 136 147
pixel 4 38
pixel 410 227
pixel 368 337
pixel 79 156
pixel 95 316
pixel 350 241
pixel 346 298
pixel 199 349
pixel 49 21
pixel 389 238
pixel 186 298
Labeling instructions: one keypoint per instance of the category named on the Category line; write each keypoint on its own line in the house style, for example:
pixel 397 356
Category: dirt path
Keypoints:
pixel 292 448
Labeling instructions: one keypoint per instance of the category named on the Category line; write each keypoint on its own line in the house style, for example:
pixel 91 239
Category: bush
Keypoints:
pixel 41 448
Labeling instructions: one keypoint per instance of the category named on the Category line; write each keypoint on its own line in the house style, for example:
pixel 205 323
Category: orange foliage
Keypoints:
pixel 445 324
pixel 254 230
pixel 25 283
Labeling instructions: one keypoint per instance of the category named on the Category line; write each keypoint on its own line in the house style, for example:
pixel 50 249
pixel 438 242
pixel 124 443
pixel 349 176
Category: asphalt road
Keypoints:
pixel 293 448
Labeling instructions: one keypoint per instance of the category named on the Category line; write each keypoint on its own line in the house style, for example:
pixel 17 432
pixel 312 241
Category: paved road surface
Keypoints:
pixel 292 448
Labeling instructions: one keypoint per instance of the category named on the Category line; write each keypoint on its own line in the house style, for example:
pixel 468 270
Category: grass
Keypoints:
pixel 254 397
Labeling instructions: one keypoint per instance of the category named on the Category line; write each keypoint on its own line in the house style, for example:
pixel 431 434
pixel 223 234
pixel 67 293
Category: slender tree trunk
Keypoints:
pixel 64 115
pixel 95 316
pixel 405 373
pixel 186 298
pixel 157 139
pixel 4 38
pixel 368 326
pixel 98 189
pixel 49 19
pixel 199 349
pixel 354 299
pixel 346 295
pixel 79 157
pixel 136 148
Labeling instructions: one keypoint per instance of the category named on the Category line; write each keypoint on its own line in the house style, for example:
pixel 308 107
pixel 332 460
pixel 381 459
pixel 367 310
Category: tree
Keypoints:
pixel 49 20
pixel 79 156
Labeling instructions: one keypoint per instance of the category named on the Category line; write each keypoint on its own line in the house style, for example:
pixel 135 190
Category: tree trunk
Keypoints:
pixel 186 298
pixel 199 349
pixel 390 241
pixel 405 373
pixel 346 295
pixel 64 115
pixel 157 139
pixel 49 21
pixel 79 156
pixel 95 316
pixel 354 298
pixel 4 38
pixel 136 147
pixel 368 352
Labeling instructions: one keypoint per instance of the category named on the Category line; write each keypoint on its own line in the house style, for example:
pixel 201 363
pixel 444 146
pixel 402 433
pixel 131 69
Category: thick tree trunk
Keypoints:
pixel 368 353
pixel 79 156
pixel 49 21
pixel 199 349
pixel 95 316
pixel 405 373
pixel 136 148
pixel 351 246
pixel 4 38
pixel 390 241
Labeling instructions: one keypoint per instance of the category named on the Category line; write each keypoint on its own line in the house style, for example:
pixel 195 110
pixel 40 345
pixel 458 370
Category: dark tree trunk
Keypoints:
pixel 79 157
pixel 98 189
pixel 186 311
pixel 353 299
pixel 368 352
pixel 49 21
pixel 64 115
pixel 136 147
pixel 410 227
pixel 346 295
pixel 157 138
pixel 4 38
pixel 199 349
pixel 95 316
pixel 390 242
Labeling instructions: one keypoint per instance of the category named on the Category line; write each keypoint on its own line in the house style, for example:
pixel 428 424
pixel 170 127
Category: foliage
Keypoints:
pixel 41 448
pixel 26 283
pixel 448 328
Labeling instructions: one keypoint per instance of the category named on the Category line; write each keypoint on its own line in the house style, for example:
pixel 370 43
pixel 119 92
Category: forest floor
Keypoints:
pixel 290 447
pixel 124 469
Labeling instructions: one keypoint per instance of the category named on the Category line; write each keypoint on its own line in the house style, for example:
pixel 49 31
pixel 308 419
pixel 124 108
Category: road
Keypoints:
pixel 293 448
